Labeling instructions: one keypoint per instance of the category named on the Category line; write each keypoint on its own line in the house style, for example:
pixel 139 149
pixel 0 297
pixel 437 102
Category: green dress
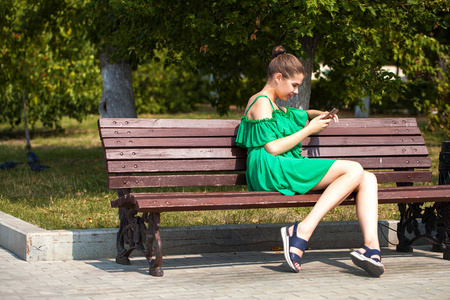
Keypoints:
pixel 288 173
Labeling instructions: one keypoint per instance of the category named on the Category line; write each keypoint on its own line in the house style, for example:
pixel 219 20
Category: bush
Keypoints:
pixel 168 88
pixel 326 95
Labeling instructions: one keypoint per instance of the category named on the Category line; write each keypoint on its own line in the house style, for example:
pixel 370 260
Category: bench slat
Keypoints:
pixel 175 153
pixel 354 131
pixel 115 182
pixel 162 202
pixel 157 142
pixel 150 166
pixel 167 123
pixel 367 151
pixel 202 142
pixel 198 123
pixel 121 182
pixel 204 165
pixel 229 152
pixel 371 140
pixel 166 132
pixel 231 132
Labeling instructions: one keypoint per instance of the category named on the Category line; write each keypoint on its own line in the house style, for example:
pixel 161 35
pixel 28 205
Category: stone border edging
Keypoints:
pixel 32 243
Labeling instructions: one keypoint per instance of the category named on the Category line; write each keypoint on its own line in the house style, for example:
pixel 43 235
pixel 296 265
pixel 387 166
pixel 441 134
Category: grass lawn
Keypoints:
pixel 72 193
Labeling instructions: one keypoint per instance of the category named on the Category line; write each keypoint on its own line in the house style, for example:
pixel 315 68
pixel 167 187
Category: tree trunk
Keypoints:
pixel 27 133
pixel 118 97
pixel 304 91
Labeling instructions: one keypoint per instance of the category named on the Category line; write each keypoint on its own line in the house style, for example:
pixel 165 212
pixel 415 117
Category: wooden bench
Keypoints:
pixel 142 153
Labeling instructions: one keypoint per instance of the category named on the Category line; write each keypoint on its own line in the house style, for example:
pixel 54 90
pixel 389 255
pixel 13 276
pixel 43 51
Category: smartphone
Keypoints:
pixel 331 114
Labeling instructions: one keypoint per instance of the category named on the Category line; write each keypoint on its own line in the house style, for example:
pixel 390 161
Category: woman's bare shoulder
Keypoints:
pixel 261 108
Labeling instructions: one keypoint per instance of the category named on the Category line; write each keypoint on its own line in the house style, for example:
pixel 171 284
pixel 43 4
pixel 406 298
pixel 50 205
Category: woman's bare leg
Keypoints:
pixel 342 179
pixel 367 211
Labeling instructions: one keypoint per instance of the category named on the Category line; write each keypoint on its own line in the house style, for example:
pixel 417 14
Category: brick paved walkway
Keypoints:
pixel 326 274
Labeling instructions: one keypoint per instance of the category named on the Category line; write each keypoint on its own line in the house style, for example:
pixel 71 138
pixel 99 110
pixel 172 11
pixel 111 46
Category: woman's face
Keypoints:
pixel 288 87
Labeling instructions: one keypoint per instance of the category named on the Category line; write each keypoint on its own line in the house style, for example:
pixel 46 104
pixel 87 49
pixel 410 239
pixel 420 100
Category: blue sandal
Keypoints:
pixel 365 261
pixel 292 241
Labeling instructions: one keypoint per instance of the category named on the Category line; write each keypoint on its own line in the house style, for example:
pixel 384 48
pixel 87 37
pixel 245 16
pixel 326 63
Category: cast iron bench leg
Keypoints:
pixel 153 243
pixel 443 228
pixel 130 233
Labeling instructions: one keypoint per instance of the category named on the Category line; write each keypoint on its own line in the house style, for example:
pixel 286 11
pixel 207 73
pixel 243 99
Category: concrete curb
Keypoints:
pixel 32 243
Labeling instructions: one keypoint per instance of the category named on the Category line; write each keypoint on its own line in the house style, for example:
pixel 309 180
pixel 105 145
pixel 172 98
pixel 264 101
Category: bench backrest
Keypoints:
pixel 203 152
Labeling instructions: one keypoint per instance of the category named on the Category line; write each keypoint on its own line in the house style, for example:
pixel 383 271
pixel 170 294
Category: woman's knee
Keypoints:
pixel 370 178
pixel 355 170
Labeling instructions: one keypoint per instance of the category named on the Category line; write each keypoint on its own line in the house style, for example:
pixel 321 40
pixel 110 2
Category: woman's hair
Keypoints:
pixel 286 64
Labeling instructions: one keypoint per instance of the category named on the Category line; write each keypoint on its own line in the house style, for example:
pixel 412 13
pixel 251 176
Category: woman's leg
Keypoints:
pixel 367 211
pixel 342 178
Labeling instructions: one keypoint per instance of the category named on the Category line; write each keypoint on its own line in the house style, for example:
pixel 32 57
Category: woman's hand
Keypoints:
pixel 313 113
pixel 318 124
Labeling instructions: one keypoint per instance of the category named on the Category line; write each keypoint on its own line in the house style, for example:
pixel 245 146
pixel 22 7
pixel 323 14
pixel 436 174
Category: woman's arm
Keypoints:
pixel 312 113
pixel 281 145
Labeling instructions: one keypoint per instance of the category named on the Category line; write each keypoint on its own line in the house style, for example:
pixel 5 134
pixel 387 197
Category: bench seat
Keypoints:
pixel 164 202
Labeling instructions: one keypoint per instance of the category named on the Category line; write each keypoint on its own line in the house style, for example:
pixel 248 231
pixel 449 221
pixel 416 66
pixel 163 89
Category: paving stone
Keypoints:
pixel 326 274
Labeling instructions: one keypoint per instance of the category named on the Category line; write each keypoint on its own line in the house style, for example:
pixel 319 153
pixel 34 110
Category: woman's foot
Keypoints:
pixel 293 246
pixel 369 260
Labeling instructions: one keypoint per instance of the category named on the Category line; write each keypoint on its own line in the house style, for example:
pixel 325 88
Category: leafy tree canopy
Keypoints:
pixel 232 39
pixel 49 57
pixel 46 61
pixel 49 47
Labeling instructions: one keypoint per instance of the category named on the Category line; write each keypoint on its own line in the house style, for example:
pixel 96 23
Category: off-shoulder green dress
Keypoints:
pixel 290 172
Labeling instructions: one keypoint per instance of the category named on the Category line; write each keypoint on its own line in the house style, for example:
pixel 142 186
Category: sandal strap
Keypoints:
pixel 371 252
pixel 296 242
pixel 295 257
pixel 299 243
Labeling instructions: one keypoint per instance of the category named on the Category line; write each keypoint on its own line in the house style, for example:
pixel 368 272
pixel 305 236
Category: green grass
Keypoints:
pixel 72 194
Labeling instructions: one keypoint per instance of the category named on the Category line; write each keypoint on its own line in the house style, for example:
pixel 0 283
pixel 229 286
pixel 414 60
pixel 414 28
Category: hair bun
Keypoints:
pixel 278 50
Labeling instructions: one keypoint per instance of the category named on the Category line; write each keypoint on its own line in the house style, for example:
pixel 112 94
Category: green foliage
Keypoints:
pixel 232 40
pixel 161 88
pixel 325 94
pixel 438 108
pixel 49 49
pixel 47 62
pixel 49 59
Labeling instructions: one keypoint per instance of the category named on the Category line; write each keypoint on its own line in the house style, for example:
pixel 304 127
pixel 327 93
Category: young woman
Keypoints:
pixel 273 137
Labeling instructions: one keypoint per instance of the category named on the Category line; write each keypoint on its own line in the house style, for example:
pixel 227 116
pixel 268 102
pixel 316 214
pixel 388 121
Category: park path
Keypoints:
pixel 326 274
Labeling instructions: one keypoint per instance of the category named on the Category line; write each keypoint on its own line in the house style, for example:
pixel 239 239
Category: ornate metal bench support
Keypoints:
pixel 436 218
pixel 444 208
pixel 443 228
pixel 133 235
pixel 130 233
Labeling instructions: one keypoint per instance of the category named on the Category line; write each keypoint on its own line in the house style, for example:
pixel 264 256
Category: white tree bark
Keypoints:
pixel 117 98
